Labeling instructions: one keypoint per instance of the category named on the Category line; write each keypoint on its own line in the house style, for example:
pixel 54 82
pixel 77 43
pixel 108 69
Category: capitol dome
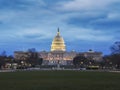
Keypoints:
pixel 58 43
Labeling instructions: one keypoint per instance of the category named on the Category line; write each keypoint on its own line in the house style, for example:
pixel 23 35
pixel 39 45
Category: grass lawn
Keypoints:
pixel 59 80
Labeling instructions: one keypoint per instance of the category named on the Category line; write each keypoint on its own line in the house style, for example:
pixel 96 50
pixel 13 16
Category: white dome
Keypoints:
pixel 58 43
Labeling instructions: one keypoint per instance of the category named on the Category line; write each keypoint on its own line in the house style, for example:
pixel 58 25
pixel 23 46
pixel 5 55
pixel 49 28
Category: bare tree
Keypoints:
pixel 115 48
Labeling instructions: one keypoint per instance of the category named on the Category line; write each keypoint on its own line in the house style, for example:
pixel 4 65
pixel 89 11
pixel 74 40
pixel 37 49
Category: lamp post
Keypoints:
pixel 58 65
pixel 58 62
pixel 22 64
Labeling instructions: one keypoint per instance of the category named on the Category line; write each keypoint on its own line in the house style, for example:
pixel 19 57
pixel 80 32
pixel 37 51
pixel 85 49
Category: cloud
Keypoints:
pixel 77 5
pixel 34 23
pixel 20 4
pixel 33 34
pixel 89 35
pixel 111 22
pixel 84 19
pixel 95 20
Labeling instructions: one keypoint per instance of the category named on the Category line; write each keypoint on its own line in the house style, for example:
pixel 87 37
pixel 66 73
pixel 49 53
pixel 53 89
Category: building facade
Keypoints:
pixel 92 55
pixel 58 53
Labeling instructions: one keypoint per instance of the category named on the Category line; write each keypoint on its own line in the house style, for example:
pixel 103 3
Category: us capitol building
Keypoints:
pixel 58 53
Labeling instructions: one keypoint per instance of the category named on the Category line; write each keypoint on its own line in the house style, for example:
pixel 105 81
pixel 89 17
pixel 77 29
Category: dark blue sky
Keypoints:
pixel 84 24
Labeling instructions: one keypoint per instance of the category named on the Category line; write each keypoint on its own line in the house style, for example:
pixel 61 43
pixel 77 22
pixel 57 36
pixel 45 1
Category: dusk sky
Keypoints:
pixel 84 24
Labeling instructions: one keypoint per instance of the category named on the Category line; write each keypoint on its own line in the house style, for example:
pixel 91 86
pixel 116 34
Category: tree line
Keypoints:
pixel 109 61
pixel 30 61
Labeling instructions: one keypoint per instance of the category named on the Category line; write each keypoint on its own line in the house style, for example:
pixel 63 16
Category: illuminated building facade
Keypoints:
pixel 58 53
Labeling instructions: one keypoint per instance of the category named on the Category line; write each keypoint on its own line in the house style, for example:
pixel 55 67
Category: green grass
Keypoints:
pixel 59 80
